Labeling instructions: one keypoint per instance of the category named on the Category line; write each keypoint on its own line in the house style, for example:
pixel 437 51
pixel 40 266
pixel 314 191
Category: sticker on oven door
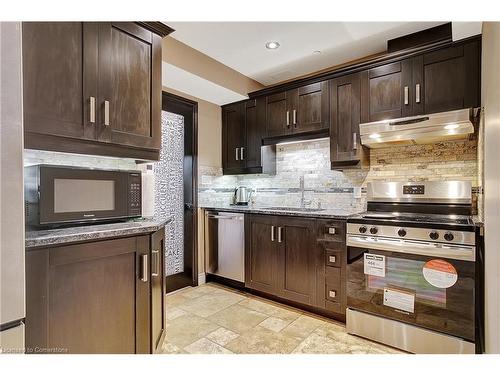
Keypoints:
pixel 374 265
pixel 399 299
pixel 440 273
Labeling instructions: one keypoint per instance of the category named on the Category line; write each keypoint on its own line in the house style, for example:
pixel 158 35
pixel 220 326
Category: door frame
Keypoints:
pixel 181 280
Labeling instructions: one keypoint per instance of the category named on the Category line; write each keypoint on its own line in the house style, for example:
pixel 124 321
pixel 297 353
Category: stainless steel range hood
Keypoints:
pixel 432 128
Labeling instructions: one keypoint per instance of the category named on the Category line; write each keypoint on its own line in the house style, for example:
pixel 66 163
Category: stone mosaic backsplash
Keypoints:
pixel 325 188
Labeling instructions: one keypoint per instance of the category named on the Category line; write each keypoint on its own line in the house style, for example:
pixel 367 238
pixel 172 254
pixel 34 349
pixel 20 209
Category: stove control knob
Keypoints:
pixel 373 230
pixel 402 232
pixel 434 235
pixel 362 229
pixel 448 236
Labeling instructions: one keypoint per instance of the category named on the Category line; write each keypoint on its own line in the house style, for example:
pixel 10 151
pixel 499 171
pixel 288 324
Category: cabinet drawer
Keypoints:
pixel 333 258
pixel 331 231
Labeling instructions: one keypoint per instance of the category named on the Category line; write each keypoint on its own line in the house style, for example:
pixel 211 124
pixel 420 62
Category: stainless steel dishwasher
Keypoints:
pixel 225 245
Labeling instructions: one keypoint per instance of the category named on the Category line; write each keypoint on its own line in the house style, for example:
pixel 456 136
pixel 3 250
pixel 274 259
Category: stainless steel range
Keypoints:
pixel 411 267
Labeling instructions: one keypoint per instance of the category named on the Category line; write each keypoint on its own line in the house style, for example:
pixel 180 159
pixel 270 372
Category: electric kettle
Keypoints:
pixel 242 195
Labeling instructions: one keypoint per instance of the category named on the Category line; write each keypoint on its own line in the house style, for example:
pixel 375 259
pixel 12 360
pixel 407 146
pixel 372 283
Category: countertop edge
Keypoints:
pixel 326 214
pixel 73 235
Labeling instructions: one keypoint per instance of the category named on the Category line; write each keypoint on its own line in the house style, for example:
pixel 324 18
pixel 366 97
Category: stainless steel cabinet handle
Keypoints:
pixel 332 293
pixel 407 100
pixel 295 117
pixel 106 112
pixel 354 141
pixel 272 233
pixel 287 118
pixel 417 93
pixel 280 234
pixel 144 268
pixel 237 153
pixel 92 109
pixel 332 258
pixel 242 157
pixel 155 254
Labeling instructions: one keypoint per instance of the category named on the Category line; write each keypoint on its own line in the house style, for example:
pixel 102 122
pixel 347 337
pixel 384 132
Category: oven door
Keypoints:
pixel 413 282
pixel 70 195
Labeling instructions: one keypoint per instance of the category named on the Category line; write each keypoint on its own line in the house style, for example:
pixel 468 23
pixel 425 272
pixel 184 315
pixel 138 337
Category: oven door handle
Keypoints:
pixel 459 252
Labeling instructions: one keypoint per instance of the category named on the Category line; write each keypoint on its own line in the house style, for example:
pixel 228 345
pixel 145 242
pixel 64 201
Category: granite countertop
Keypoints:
pixel 49 237
pixel 325 213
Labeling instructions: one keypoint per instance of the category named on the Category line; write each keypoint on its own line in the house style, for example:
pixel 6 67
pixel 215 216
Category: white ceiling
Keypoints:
pixel 186 82
pixel 241 45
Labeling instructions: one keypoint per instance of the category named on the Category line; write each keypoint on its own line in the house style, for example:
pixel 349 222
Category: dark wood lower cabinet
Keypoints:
pixel 95 297
pixel 158 289
pixel 297 260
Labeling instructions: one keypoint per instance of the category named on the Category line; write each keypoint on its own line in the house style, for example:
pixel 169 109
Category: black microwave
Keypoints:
pixel 60 195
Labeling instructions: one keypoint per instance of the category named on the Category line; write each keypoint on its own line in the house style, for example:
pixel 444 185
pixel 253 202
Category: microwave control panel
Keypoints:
pixel 135 197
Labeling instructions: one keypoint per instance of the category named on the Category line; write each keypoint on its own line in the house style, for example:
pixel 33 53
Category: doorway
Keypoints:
pixel 181 239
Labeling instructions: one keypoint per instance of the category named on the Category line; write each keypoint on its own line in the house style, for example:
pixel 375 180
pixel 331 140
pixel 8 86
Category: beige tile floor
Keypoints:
pixel 212 319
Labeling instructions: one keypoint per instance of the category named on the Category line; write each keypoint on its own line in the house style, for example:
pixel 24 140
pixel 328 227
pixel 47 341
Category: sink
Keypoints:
pixel 294 209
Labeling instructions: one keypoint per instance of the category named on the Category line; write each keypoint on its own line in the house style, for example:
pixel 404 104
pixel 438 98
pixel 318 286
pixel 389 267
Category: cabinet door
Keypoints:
pixel 89 298
pixel 255 116
pixel 308 106
pixel 345 144
pixel 59 78
pixel 385 92
pixel 278 117
pixel 129 100
pixel 233 137
pixel 157 289
pixel 296 261
pixel 261 253
pixel 447 79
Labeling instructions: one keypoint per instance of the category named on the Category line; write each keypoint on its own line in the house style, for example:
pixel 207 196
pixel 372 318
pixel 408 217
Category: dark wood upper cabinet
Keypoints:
pixel 297 111
pixel 92 88
pixel 442 80
pixel 233 135
pixel 243 127
pixel 296 242
pixel 310 107
pixel 278 121
pixel 385 90
pixel 261 259
pixel 346 150
pixel 129 85
pixel 60 77
pixel 449 79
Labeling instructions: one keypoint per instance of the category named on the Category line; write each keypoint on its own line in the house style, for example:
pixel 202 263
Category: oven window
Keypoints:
pixel 73 195
pixel 407 274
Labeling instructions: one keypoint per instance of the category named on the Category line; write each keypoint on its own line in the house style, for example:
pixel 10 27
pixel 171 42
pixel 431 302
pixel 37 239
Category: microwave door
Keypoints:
pixel 81 195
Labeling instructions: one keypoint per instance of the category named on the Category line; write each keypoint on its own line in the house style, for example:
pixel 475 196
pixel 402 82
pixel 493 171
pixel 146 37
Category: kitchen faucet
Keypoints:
pixel 303 202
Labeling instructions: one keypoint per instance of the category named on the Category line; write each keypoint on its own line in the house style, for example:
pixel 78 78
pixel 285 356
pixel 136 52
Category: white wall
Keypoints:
pixel 491 102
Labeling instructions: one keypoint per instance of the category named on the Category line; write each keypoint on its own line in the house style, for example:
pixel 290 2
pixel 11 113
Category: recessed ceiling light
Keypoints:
pixel 451 126
pixel 317 52
pixel 272 45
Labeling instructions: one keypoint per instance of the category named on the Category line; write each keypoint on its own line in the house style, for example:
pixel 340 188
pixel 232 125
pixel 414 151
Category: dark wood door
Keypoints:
pixel 255 115
pixel 345 143
pixel 278 116
pixel 386 92
pixel 447 79
pixel 233 137
pixel 296 259
pixel 261 253
pixel 129 102
pixel 59 78
pixel 308 106
pixel 157 289
pixel 89 298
